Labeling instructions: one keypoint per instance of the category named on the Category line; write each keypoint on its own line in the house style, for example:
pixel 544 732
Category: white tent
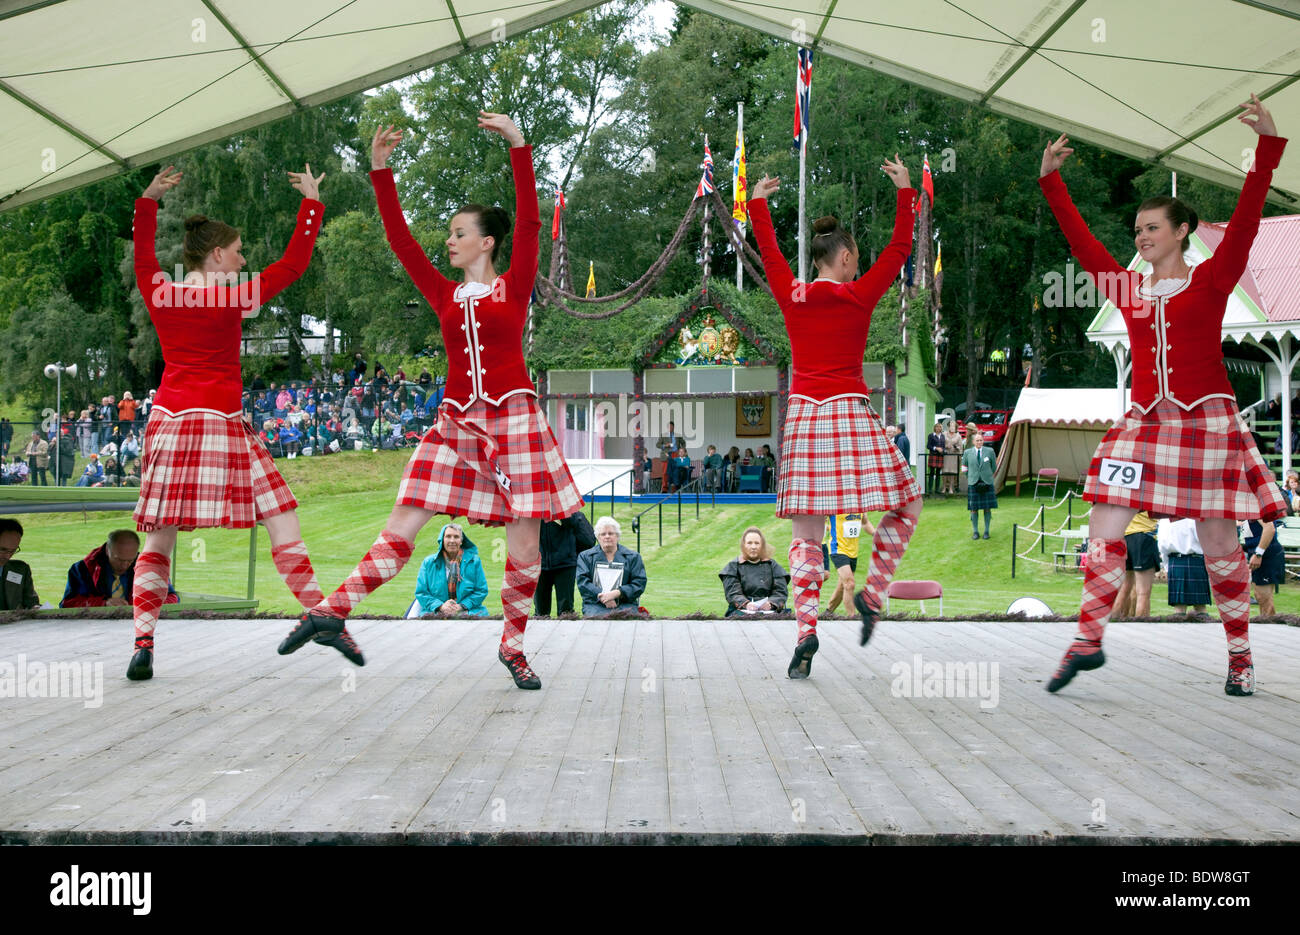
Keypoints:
pixel 96 87
pixel 1055 429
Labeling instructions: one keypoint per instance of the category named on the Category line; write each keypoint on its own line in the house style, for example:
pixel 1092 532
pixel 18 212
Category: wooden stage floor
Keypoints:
pixel 650 731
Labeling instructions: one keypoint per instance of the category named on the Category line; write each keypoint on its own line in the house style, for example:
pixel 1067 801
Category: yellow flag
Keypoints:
pixel 938 261
pixel 591 281
pixel 740 207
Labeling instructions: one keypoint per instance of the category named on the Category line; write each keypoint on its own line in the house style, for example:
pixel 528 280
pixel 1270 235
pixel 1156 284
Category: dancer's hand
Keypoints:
pixel 305 183
pixel 382 146
pixel 1263 120
pixel 162 183
pixel 500 123
pixel 897 172
pixel 765 187
pixel 1054 156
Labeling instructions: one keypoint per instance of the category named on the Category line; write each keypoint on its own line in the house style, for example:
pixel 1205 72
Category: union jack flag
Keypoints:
pixel 803 97
pixel 706 180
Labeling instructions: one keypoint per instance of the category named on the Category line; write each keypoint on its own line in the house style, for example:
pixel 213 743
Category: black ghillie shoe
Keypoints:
pixel 1073 663
pixel 869 617
pixel 801 662
pixel 345 644
pixel 1241 681
pixel 141 667
pixel 520 671
pixel 310 626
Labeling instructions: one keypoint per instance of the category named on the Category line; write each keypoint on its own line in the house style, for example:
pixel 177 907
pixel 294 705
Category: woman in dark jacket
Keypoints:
pixel 596 600
pixel 754 583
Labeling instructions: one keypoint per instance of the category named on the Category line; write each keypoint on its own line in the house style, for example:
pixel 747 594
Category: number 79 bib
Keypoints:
pixel 1125 474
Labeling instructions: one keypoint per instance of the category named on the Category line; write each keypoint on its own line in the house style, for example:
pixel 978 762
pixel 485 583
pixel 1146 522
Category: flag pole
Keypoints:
pixel 803 204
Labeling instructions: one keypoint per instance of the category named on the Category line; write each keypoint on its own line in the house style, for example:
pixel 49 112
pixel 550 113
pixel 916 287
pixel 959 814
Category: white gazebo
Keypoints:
pixel 1263 311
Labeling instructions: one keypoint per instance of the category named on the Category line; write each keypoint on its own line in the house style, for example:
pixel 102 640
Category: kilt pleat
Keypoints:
pixel 203 470
pixel 491 464
pixel 1195 465
pixel 836 459
pixel 988 500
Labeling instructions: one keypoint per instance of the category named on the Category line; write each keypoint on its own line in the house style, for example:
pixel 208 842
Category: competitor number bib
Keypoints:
pixel 1125 474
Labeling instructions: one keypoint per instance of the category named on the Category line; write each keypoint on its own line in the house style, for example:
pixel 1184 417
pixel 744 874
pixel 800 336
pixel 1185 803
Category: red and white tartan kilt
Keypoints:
pixel 1195 465
pixel 454 469
pixel 835 459
pixel 202 470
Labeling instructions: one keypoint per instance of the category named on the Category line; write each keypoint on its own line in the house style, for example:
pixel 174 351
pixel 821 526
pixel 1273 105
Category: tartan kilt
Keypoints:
pixel 1195 465
pixel 491 464
pixel 934 462
pixel 988 500
pixel 836 459
pixel 1188 581
pixel 203 470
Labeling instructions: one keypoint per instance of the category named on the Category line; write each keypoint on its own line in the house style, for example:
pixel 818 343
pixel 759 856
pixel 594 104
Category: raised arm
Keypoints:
pixel 1087 249
pixel 148 274
pixel 270 282
pixel 522 273
pixel 779 275
pixel 1229 261
pixel 409 253
pixel 871 285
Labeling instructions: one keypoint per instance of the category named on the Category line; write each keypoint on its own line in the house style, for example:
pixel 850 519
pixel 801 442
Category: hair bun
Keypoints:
pixel 826 224
pixel 1191 220
pixel 503 217
pixel 195 221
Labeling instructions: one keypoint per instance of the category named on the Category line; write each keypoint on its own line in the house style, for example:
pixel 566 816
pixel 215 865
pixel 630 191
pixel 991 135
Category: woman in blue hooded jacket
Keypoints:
pixel 452 582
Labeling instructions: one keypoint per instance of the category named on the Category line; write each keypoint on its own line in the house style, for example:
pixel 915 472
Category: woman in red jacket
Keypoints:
pixel 490 456
pixel 1181 451
pixel 835 457
pixel 203 466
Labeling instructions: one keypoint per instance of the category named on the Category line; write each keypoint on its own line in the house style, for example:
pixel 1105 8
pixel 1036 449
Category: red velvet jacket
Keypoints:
pixel 199 326
pixel 827 321
pixel 1176 339
pixel 482 326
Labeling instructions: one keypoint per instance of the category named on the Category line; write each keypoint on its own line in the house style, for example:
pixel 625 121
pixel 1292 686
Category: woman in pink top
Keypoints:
pixel 835 457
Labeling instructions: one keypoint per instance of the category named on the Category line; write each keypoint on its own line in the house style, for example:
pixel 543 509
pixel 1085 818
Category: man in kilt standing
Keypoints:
pixel 835 455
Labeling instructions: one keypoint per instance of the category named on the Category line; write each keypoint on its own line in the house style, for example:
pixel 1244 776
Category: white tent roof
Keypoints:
pixel 1078 407
pixel 94 87
pixel 1057 429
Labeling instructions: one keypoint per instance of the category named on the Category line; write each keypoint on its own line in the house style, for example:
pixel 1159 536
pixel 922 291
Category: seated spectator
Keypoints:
pixel 748 457
pixel 132 476
pixel 1291 492
pixel 93 473
pixel 130 448
pixel 731 464
pixel 754 583
pixel 712 468
pixel 452 582
pixel 679 467
pixel 610 577
pixel 112 474
pixel 17 471
pixel 16 589
pixel 104 578
pixel 290 439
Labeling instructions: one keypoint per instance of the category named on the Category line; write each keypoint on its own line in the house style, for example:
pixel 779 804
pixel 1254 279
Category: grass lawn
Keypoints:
pixel 346 498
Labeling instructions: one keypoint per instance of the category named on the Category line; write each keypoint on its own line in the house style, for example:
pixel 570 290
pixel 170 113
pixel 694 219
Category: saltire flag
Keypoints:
pixel 706 180
pixel 559 208
pixel 802 97
pixel 740 196
pixel 591 280
pixel 927 185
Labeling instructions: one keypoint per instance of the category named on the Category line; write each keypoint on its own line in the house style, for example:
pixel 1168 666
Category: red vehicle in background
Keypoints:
pixel 992 422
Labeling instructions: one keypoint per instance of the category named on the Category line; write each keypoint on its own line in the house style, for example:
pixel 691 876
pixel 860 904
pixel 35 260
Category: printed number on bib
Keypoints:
pixel 1126 474
pixel 852 528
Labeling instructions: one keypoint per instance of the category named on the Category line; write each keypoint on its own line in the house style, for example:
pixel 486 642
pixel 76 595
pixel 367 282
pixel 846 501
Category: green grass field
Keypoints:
pixel 345 500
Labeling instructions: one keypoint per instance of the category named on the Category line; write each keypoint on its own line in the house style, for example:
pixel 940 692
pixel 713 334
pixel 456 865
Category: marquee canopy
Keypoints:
pixel 96 87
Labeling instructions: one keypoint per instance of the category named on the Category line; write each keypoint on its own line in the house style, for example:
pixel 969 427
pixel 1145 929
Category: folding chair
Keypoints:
pixel 920 591
pixel 1044 475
